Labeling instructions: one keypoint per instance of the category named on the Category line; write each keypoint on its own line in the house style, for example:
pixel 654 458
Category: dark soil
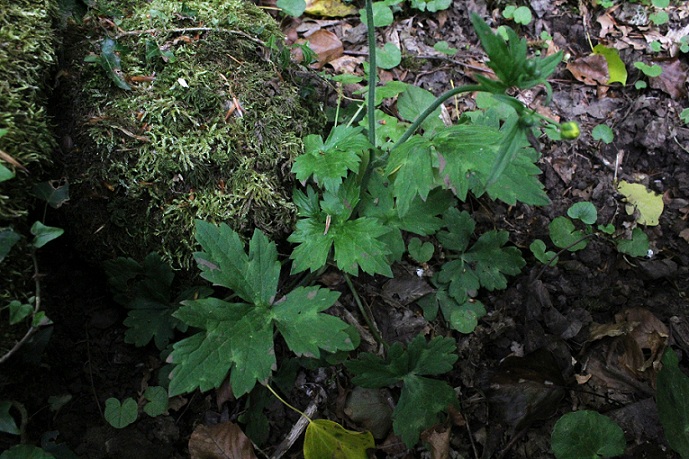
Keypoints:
pixel 87 361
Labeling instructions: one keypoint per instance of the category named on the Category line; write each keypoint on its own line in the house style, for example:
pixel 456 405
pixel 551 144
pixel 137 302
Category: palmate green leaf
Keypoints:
pixel 413 166
pixel 297 317
pixel 254 277
pixel 408 419
pixel 408 366
pixel 235 336
pixel 355 242
pixel 329 162
pixel 485 264
pixel 421 218
pixel 146 289
pixel 491 260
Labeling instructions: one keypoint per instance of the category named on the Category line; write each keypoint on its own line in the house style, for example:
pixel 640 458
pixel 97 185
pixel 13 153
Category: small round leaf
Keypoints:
pixel 584 211
pixel 587 434
pixel 120 415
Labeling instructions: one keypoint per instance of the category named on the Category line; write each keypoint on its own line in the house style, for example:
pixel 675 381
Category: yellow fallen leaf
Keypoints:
pixel 329 8
pixel 646 202
pixel 329 439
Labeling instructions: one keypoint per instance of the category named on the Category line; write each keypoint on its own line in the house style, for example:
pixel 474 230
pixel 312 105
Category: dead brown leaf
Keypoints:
pixel 591 70
pixel 324 43
pixel 221 441
pixel 673 79
pixel 438 438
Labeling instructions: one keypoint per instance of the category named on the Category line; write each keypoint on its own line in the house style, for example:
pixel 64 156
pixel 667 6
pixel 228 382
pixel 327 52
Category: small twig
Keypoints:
pixel 298 427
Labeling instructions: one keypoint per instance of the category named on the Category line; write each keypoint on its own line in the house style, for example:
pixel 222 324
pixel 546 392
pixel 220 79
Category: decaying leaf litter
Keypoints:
pixel 611 314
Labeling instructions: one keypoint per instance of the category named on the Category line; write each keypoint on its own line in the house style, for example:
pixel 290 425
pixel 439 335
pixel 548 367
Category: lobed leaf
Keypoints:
pixel 297 317
pixel 254 277
pixel 326 438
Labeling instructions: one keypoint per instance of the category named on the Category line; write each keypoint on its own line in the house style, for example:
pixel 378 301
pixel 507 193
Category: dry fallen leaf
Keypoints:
pixel 672 80
pixel 438 438
pixel 324 43
pixel 221 441
pixel 591 70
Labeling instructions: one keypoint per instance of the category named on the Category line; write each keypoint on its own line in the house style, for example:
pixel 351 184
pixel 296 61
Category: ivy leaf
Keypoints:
pixel 305 330
pixel 330 161
pixel 111 63
pixel 409 366
pixel 44 234
pixel 253 276
pixel 326 438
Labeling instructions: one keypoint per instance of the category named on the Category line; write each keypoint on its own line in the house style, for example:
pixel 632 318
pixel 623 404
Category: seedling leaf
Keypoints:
pixel 565 235
pixel 389 56
pixel 587 434
pixel 637 246
pixel 19 311
pixel 157 401
pixel 325 438
pixel 672 397
pixel 604 133
pixel 26 452
pixel 538 248
pixel 421 252
pixel 120 415
pixel 584 211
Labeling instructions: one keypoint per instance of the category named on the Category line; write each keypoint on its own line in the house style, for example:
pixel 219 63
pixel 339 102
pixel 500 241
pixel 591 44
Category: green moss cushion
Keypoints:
pixel 180 112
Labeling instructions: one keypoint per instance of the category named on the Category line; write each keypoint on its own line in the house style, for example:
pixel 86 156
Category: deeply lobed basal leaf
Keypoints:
pixel 238 337
pixel 422 399
pixel 253 276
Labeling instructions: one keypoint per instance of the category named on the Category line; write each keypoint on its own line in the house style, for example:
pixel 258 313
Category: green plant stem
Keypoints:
pixel 369 321
pixel 285 403
pixel 372 73
pixel 431 108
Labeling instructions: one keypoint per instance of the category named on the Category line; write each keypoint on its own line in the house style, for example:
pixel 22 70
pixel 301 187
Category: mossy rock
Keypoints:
pixel 208 128
pixel 27 58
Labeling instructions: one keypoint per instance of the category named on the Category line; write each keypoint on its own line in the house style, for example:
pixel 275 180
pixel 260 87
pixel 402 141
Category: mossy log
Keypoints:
pixel 181 111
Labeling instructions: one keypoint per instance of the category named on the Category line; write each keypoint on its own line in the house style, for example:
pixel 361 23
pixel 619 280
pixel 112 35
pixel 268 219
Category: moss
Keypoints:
pixel 27 55
pixel 151 160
